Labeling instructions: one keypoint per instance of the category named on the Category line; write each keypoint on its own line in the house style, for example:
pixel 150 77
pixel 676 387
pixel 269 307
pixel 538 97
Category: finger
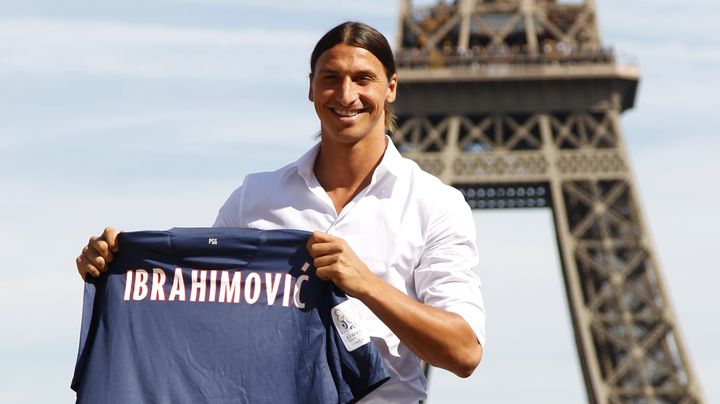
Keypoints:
pixel 319 237
pixel 84 267
pixel 325 261
pixel 324 248
pixel 102 248
pixel 80 266
pixel 94 258
pixel 93 245
pixel 324 273
pixel 110 237
pixel 313 239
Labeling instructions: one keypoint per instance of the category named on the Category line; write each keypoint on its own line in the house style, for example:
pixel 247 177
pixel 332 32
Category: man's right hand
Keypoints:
pixel 97 254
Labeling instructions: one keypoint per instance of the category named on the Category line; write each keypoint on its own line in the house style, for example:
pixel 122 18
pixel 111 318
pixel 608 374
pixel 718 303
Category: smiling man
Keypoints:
pixel 394 238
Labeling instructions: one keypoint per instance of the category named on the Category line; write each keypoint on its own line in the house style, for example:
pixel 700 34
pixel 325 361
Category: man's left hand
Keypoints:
pixel 336 261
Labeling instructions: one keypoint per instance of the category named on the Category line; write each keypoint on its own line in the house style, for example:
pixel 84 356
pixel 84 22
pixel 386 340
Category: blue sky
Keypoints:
pixel 146 115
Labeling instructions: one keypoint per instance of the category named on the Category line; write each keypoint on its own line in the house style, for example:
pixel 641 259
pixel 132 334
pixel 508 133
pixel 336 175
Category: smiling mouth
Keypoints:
pixel 347 113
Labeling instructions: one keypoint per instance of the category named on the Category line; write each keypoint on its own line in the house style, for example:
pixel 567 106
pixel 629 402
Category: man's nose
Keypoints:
pixel 347 93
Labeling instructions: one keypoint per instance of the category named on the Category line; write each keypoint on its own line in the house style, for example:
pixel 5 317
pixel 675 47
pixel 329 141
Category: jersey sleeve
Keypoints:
pixel 86 328
pixel 357 371
pixel 144 243
pixel 444 277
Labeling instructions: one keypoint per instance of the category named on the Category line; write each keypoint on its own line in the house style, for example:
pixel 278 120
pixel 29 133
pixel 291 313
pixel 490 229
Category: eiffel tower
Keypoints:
pixel 517 104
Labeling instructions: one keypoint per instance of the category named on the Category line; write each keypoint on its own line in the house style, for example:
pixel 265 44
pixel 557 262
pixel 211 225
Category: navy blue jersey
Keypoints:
pixel 220 315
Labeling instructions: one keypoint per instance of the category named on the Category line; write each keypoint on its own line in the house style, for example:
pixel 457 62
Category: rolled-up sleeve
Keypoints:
pixel 444 277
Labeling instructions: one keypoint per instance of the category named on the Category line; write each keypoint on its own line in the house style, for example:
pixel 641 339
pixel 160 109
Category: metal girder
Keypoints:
pixel 471 31
pixel 522 137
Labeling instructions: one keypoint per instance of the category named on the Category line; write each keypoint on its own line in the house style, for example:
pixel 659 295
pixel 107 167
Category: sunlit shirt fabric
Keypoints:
pixel 411 230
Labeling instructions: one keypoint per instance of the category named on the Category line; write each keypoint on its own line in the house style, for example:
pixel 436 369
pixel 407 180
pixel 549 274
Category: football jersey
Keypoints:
pixel 221 315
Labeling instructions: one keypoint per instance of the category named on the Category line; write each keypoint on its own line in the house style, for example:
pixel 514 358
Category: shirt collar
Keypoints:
pixel 306 162
pixel 391 161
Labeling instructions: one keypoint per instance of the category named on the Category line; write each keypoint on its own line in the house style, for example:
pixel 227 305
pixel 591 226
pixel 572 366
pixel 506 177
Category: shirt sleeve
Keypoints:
pixel 229 213
pixel 444 277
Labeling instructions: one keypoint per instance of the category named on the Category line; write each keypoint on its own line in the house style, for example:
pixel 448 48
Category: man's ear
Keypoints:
pixel 310 90
pixel 392 89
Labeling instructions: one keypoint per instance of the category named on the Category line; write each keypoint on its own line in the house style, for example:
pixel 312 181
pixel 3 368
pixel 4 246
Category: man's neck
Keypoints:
pixel 344 169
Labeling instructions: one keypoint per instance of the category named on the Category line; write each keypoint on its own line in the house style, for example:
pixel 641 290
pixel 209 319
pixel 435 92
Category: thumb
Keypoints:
pixel 110 236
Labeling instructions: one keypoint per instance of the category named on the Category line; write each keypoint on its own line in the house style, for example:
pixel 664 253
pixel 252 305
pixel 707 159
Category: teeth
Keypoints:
pixel 344 112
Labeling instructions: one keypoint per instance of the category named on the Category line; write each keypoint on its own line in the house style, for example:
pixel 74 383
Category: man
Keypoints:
pixel 391 236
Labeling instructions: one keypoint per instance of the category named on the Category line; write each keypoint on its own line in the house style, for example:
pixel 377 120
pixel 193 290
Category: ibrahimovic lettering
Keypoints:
pixel 222 286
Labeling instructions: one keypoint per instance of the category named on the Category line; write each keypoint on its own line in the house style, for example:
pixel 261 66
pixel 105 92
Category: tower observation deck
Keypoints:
pixel 517 103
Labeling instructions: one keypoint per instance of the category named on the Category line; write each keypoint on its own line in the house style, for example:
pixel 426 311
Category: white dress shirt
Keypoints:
pixel 409 228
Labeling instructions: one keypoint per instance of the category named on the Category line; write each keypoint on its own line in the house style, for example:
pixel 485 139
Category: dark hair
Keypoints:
pixel 362 36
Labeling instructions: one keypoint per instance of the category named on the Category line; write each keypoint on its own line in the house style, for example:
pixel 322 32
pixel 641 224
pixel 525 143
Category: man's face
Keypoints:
pixel 349 89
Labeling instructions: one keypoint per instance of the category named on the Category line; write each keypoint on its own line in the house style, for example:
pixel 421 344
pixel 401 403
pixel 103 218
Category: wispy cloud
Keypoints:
pixel 184 128
pixel 151 51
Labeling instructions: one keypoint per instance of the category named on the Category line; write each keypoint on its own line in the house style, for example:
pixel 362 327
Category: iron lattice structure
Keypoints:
pixel 517 104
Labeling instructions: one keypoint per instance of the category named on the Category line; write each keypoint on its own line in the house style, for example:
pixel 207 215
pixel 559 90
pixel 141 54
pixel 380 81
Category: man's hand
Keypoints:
pixel 97 254
pixel 336 261
pixel 441 338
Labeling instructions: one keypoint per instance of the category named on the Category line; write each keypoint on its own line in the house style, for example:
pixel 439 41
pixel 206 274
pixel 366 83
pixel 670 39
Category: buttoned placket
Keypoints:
pixel 314 185
pixel 305 165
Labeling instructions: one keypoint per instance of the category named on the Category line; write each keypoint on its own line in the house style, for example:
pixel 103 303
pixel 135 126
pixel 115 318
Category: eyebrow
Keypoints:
pixel 363 72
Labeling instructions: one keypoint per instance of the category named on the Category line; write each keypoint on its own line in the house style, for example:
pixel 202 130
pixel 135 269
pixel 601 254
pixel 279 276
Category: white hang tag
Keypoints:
pixel 352 330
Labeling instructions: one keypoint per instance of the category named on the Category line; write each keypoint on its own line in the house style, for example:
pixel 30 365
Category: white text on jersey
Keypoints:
pixel 222 286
